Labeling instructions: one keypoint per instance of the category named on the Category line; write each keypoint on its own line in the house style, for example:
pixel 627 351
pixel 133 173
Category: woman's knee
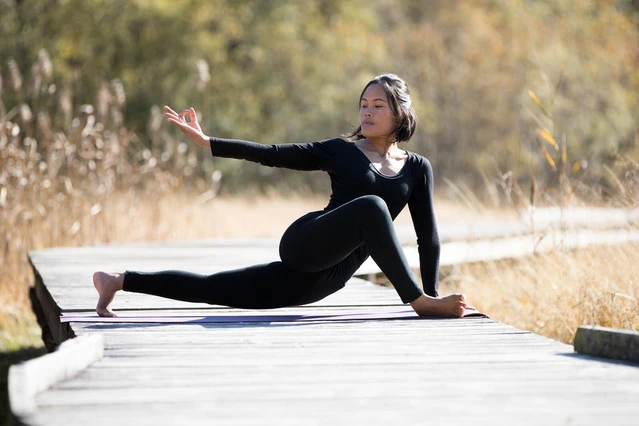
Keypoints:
pixel 372 203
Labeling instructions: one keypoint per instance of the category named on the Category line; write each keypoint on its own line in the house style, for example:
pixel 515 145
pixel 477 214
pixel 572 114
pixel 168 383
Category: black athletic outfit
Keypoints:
pixel 321 250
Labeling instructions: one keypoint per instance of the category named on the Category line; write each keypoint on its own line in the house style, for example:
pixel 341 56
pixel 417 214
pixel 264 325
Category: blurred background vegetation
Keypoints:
pixel 507 91
pixel 520 102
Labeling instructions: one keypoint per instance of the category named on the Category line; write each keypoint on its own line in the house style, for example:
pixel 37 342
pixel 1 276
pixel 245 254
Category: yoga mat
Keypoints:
pixel 229 318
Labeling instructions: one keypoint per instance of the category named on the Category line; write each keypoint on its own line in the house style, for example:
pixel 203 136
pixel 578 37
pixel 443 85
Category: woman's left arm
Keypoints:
pixel 423 215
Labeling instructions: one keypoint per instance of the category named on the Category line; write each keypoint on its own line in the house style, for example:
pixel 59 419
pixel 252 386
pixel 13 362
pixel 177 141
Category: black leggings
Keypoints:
pixel 320 252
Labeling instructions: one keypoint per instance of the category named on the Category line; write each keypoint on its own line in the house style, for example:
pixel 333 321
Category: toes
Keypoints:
pixel 107 313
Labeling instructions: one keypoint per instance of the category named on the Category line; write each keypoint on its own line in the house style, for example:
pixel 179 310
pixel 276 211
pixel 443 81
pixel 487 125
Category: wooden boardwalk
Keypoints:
pixel 431 371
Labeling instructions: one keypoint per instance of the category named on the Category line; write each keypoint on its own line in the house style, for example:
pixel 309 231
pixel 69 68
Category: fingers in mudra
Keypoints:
pixel 180 118
pixel 169 113
pixel 191 127
pixel 189 113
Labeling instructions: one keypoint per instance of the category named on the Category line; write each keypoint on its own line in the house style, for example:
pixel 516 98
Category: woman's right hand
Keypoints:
pixel 190 128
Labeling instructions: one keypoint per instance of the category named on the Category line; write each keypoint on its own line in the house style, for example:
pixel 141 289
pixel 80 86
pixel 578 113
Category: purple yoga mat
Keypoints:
pixel 230 318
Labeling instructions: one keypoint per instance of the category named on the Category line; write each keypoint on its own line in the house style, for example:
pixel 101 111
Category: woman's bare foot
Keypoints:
pixel 449 306
pixel 107 285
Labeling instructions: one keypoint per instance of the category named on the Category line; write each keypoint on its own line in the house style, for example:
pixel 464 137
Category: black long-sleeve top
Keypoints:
pixel 353 175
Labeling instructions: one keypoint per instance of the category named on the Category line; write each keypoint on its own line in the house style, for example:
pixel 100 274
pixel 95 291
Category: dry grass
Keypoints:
pixel 554 293
pixel 129 218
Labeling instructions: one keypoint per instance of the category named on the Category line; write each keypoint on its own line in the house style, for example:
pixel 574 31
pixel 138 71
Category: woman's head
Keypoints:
pixel 397 98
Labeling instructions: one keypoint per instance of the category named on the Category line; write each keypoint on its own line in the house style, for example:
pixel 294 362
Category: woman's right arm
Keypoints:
pixel 309 156
pixel 297 156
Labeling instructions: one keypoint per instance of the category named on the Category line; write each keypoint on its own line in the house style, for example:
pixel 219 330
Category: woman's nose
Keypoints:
pixel 367 113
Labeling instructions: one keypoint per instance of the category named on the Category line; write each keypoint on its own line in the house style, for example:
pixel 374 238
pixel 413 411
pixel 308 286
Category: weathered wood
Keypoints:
pixel 30 378
pixel 442 371
pixel 452 371
pixel 369 411
pixel 48 315
pixel 607 342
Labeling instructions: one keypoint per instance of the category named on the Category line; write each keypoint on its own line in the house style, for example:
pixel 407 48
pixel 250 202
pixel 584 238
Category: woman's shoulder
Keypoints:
pixel 422 169
pixel 419 160
pixel 335 142
pixel 332 145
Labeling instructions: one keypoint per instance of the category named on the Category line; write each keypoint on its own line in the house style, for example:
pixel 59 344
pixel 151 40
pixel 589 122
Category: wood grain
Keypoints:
pixel 435 371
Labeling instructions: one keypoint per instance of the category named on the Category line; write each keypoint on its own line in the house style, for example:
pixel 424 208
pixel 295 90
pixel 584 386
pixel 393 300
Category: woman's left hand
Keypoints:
pixel 190 128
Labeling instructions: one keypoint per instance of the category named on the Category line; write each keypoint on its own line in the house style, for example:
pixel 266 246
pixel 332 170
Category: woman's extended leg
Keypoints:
pixel 264 286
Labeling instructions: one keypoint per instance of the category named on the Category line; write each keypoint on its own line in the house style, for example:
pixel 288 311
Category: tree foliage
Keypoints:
pixel 287 71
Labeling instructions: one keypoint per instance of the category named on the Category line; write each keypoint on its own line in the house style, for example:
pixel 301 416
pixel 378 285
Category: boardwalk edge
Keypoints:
pixel 47 312
pixel 29 378
pixel 607 342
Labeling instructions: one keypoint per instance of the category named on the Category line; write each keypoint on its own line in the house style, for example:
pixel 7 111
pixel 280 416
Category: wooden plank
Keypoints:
pixel 607 342
pixel 399 369
pixel 374 372
pixel 370 412
pixel 48 315
pixel 29 378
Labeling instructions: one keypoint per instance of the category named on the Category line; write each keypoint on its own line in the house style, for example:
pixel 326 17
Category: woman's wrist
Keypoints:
pixel 205 141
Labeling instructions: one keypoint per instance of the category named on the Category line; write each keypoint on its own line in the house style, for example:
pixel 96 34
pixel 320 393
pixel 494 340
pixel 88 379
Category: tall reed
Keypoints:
pixel 62 164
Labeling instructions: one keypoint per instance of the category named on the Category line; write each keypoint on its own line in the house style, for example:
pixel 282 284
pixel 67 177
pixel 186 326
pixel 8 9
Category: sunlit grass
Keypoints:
pixel 553 293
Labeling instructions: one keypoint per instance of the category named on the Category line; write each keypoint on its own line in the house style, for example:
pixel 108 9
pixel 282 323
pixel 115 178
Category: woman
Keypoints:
pixel 372 181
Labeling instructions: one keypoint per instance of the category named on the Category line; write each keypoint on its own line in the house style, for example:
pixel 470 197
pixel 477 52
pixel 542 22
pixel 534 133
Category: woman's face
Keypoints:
pixel 375 114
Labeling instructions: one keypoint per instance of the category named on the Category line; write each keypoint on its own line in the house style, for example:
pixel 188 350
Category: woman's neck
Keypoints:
pixel 380 146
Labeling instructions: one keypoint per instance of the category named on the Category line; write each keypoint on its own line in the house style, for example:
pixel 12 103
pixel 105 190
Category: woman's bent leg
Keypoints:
pixel 327 239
